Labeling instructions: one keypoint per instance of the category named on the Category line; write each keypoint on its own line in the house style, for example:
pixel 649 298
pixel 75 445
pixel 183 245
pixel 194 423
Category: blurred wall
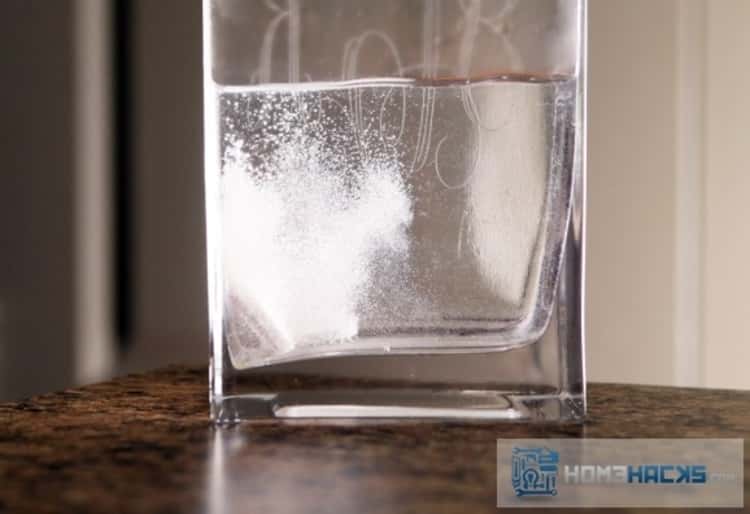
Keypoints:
pixel 669 181
pixel 726 351
pixel 169 246
pixel 36 197
pixel 631 190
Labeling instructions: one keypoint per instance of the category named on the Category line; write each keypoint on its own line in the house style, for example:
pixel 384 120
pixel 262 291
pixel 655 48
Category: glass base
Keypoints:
pixel 404 403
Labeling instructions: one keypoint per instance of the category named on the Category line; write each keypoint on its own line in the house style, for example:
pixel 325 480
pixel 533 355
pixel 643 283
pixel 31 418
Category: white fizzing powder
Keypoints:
pixel 303 219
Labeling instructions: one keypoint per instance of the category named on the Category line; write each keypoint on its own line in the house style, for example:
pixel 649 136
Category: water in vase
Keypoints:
pixel 381 216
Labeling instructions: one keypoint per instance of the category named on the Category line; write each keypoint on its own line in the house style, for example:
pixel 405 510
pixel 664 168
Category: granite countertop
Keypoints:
pixel 144 443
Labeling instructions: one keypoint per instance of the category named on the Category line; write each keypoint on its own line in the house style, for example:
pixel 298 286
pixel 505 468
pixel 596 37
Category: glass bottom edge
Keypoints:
pixel 459 405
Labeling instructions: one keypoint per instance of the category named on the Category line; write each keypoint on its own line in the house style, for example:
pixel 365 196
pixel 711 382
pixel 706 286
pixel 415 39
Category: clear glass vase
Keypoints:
pixel 395 216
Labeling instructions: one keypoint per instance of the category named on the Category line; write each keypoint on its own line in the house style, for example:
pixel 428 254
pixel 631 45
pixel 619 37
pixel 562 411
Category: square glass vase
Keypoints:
pixel 395 208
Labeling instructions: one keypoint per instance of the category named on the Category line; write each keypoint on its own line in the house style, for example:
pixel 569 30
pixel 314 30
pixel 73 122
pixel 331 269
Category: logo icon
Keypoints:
pixel 534 471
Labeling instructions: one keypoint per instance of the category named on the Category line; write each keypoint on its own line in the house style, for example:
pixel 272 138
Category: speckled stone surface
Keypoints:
pixel 144 443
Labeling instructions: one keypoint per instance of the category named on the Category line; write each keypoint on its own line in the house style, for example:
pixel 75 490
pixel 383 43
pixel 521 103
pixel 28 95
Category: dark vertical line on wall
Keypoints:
pixel 123 170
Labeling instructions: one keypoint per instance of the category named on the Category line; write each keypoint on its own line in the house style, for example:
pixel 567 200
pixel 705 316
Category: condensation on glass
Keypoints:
pixel 395 208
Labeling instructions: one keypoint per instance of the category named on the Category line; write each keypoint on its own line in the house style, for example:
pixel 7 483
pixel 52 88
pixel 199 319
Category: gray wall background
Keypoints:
pixel 36 197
